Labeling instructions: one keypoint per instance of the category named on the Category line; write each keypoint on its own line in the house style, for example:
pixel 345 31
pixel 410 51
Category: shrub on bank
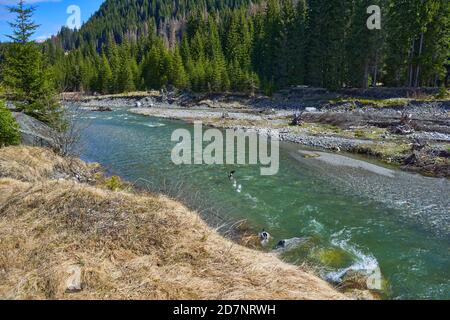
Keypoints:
pixel 443 93
pixel 9 129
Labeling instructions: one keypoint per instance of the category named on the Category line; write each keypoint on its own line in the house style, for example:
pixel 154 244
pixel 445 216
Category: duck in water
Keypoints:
pixel 237 186
pixel 265 237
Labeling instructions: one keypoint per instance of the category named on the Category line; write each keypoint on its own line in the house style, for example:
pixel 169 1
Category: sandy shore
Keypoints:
pixel 261 123
pixel 339 160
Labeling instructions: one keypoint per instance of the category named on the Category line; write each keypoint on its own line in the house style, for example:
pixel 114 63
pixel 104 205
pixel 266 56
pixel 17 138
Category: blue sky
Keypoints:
pixel 50 14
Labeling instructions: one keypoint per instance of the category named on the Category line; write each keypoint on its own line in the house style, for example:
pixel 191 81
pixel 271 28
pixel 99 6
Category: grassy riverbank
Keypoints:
pixel 59 214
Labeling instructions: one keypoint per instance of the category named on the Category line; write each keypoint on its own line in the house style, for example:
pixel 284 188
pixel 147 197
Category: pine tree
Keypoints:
pixel 408 39
pixel 433 42
pixel 112 53
pixel 156 66
pixel 127 71
pixel 436 47
pixel 271 41
pixel 217 75
pixel 25 74
pixel 105 77
pixel 364 47
pixel 197 47
pixel 327 21
pixel 297 47
pixel 23 26
pixel 284 57
pixel 239 44
pixel 177 73
pixel 185 50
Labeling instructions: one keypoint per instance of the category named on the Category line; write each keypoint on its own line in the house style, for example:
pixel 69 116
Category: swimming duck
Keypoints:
pixel 265 237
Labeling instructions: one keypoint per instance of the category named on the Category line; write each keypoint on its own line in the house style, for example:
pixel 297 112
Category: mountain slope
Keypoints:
pixel 131 18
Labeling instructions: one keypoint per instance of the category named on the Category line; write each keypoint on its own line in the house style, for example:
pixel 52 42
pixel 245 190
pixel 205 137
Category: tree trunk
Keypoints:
pixel 418 64
pixel 366 76
pixel 375 71
pixel 410 58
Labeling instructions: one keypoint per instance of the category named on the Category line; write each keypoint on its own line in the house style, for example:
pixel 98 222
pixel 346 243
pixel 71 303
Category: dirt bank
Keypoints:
pixel 65 235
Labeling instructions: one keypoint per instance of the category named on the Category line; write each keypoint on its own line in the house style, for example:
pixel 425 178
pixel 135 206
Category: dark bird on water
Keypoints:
pixel 231 174
pixel 264 235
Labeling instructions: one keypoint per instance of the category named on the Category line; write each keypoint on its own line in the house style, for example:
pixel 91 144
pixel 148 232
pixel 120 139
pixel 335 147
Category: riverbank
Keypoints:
pixel 425 152
pixel 70 233
pixel 412 133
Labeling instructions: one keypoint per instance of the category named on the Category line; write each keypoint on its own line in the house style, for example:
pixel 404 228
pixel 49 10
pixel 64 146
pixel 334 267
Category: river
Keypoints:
pixel 353 217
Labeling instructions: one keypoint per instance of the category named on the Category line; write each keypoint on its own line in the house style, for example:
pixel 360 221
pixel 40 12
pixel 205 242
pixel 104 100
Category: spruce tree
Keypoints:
pixel 112 53
pixel 23 26
pixel 231 44
pixel 105 77
pixel 436 47
pixel 297 48
pixel 284 56
pixel 327 21
pixel 363 46
pixel 271 41
pixel 25 74
pixel 176 74
pixel 127 71
pixel 217 74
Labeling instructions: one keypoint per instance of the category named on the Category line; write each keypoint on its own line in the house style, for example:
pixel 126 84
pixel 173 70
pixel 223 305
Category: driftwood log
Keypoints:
pixel 297 119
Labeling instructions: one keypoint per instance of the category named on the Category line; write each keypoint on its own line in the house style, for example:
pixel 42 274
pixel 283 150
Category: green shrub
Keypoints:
pixel 9 129
pixel 360 134
pixel 443 93
pixel 114 183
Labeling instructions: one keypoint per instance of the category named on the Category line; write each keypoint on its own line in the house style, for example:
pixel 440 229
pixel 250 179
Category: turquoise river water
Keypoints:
pixel 354 218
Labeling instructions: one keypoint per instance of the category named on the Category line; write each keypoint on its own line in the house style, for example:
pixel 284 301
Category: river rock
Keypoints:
pixel 102 109
pixel 34 132
pixel 288 244
pixel 207 103
pixel 357 294
pixel 73 283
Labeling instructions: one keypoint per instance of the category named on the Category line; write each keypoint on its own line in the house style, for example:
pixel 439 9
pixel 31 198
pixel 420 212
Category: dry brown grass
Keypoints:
pixel 35 164
pixel 128 246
